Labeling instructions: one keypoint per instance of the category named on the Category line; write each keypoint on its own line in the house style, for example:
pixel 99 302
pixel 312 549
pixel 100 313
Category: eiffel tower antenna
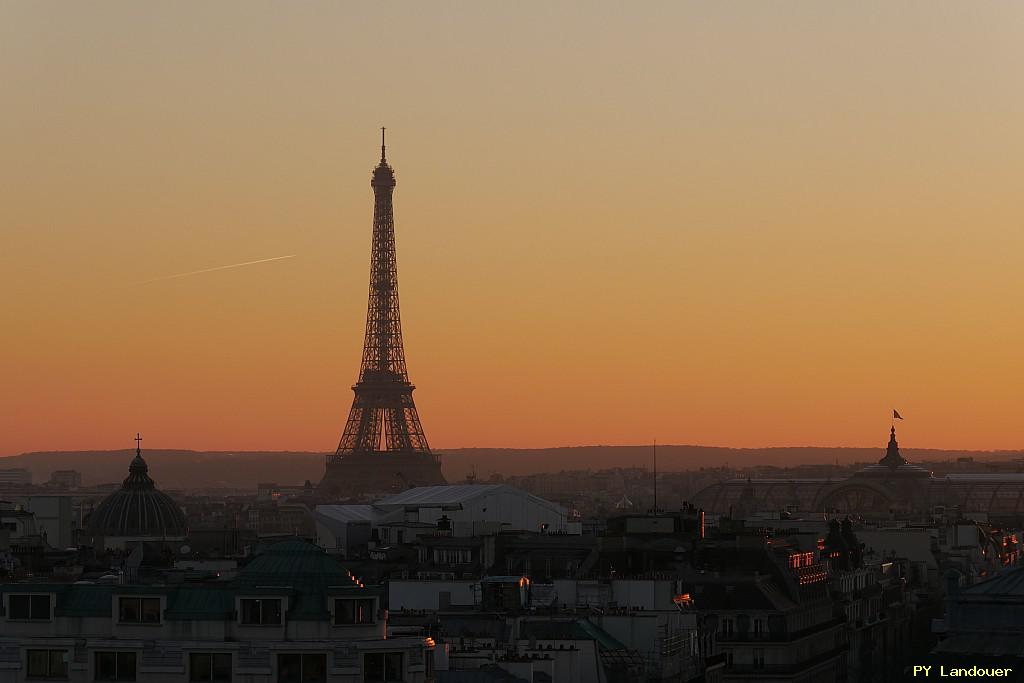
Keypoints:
pixel 383 438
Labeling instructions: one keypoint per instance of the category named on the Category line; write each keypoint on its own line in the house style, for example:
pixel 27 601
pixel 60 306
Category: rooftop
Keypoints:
pixel 1008 583
pixel 442 495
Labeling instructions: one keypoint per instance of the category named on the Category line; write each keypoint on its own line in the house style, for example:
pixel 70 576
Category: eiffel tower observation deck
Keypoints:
pixel 383 448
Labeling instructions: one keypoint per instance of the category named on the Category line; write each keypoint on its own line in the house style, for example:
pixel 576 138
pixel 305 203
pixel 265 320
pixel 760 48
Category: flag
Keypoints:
pixel 896 415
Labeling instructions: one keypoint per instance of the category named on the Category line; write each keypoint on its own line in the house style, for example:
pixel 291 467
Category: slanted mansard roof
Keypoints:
pixel 300 571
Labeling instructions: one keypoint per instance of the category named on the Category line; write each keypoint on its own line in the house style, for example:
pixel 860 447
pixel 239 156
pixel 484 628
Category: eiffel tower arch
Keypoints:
pixel 383 448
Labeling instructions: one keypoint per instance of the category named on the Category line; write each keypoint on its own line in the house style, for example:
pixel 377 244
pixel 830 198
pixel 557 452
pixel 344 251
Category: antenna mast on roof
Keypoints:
pixel 655 476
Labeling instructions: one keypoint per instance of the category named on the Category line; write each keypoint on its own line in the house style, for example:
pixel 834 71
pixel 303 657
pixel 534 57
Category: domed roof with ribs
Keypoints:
pixel 138 508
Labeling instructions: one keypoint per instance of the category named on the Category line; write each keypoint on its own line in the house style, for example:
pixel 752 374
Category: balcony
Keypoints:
pixel 787 670
pixel 778 637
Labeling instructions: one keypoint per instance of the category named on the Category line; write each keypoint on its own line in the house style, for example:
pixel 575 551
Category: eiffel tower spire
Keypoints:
pixel 383 446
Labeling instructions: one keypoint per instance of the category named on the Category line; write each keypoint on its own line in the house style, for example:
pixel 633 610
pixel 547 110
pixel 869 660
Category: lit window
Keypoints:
pixel 349 611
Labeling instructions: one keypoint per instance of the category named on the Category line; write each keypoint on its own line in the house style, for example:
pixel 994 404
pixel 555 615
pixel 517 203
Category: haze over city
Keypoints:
pixel 736 225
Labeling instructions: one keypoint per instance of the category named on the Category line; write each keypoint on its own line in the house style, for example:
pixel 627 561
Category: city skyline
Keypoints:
pixel 744 228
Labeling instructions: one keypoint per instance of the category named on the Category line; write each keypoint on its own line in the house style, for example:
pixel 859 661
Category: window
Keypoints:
pixel 758 627
pixel 453 556
pixel 29 607
pixel 797 560
pixel 139 610
pixel 301 668
pixel 209 666
pixel 349 611
pixel 758 658
pixel 727 627
pixel 114 666
pixel 380 667
pixel 261 612
pixel 46 664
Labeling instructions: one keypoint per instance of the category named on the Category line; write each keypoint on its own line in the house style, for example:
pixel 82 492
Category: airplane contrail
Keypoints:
pixel 210 270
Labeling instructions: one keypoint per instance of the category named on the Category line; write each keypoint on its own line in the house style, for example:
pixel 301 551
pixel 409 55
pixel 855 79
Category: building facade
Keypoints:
pixel 292 616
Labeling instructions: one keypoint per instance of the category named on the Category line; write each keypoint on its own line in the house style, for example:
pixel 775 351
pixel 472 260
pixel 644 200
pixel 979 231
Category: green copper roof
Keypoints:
pixel 580 629
pixel 302 573
pixel 85 601
pixel 201 603
pixel 306 573
pixel 294 563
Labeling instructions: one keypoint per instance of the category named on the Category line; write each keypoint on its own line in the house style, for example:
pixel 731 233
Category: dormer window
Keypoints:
pixel 349 611
pixel 139 610
pixel 28 607
pixel 260 611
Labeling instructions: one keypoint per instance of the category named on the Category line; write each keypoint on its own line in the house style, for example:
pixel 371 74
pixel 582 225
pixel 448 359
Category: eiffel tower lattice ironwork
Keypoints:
pixel 383 422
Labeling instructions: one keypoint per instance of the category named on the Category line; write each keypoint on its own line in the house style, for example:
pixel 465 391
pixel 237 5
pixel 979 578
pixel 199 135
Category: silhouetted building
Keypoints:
pixel 984 624
pixel 293 615
pixel 468 510
pixel 893 487
pixel 137 512
pixel 383 448
pixel 65 479
pixel 776 619
pixel 15 476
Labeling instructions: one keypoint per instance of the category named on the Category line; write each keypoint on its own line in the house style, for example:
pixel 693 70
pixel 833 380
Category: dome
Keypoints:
pixel 138 508
pixel 894 464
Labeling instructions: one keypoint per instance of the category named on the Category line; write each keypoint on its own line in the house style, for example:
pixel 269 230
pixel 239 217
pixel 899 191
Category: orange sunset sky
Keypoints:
pixel 738 223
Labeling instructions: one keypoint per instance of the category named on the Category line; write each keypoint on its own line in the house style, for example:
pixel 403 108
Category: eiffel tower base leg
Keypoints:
pixel 379 474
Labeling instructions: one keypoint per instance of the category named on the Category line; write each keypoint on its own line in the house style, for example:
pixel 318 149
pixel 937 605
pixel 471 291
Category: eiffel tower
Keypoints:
pixel 383 448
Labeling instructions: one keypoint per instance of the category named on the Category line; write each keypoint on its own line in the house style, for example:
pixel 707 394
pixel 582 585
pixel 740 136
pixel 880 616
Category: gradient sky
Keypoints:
pixel 722 223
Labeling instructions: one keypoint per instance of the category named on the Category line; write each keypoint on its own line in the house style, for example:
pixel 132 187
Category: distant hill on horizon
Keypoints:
pixel 245 469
